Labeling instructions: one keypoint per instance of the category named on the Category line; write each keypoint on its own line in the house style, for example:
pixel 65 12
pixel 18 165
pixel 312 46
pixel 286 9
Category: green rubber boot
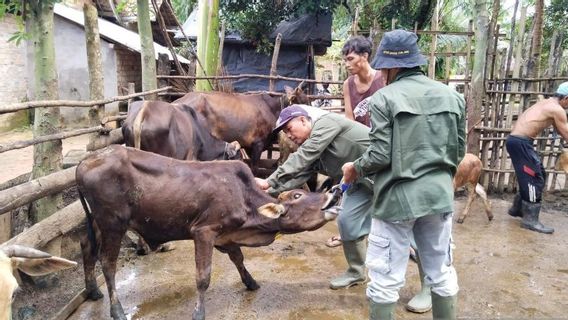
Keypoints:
pixel 355 252
pixel 444 308
pixel 421 302
pixel 381 311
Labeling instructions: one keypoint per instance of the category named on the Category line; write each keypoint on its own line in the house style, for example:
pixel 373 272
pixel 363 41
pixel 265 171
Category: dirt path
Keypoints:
pixel 504 272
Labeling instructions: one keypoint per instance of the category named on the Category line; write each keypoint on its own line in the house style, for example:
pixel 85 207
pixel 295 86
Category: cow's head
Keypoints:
pixel 298 211
pixel 233 151
pixel 297 95
pixel 29 261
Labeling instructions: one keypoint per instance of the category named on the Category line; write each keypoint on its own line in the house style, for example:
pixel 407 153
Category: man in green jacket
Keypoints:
pixel 327 141
pixel 417 142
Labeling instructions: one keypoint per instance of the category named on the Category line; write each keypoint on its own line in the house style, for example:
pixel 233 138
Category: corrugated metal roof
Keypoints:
pixel 112 32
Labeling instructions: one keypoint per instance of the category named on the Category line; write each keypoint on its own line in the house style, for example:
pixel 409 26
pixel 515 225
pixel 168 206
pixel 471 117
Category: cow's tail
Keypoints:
pixel 137 125
pixel 91 236
pixel 481 191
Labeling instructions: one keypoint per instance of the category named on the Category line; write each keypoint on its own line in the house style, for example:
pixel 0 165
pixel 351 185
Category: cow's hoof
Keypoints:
pixel 198 315
pixel 166 247
pixel 116 312
pixel 460 220
pixel 142 251
pixel 95 294
pixel 252 285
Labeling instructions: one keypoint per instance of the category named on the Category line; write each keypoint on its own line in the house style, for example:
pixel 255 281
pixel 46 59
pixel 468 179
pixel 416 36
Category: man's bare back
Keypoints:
pixel 540 116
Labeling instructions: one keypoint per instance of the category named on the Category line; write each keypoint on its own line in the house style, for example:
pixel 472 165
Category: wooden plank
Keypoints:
pixel 76 301
pixel 60 223
pixel 38 188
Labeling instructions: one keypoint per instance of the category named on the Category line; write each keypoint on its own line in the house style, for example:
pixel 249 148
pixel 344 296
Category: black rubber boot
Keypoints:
pixel 531 211
pixel 515 210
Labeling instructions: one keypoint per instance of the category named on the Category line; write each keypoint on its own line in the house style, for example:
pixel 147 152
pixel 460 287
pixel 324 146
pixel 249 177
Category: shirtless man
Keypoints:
pixel 528 168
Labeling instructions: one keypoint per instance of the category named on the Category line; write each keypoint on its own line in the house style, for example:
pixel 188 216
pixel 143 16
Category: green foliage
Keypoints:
pixel 183 8
pixel 121 6
pixel 16 8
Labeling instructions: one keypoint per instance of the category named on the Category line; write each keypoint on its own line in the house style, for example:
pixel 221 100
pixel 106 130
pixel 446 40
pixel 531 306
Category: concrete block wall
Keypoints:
pixel 13 87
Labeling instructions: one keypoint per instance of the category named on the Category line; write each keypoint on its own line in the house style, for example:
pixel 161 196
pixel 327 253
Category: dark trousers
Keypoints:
pixel 528 168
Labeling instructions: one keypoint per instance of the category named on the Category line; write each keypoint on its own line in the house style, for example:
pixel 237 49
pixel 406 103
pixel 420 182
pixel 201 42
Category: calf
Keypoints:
pixel 467 174
pixel 174 130
pixel 29 261
pixel 217 204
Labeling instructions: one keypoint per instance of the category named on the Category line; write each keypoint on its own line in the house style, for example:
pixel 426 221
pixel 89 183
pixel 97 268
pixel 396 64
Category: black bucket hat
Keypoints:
pixel 398 49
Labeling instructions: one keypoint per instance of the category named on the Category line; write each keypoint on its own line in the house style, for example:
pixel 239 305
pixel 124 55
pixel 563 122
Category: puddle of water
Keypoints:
pixel 562 270
pixel 162 303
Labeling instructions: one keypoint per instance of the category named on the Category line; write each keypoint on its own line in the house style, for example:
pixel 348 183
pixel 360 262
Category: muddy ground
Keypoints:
pixel 504 272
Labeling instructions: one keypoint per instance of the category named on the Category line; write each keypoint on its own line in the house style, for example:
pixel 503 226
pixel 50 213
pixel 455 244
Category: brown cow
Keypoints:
pixel 174 130
pixel 246 118
pixel 217 204
pixel 467 174
pixel 28 260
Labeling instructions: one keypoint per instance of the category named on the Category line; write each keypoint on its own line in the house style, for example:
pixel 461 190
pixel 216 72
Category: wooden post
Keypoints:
pixel 166 36
pixel 393 23
pixel 434 43
pixel 467 84
pixel 274 64
pixel 147 54
pixel 355 25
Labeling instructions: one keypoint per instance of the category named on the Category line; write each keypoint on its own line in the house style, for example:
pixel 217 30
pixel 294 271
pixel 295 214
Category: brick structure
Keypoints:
pixel 129 68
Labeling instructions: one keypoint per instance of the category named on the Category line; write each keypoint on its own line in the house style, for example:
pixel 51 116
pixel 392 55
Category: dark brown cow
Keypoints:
pixel 246 118
pixel 174 130
pixel 217 204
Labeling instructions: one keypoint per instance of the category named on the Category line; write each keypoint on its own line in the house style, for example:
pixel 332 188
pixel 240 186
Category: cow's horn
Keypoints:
pixel 301 84
pixel 272 210
pixel 24 252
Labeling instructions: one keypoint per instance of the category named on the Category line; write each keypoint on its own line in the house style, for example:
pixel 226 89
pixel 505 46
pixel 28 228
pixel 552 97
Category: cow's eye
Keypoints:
pixel 297 195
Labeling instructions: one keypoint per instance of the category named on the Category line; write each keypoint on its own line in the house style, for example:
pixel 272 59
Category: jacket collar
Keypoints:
pixel 408 72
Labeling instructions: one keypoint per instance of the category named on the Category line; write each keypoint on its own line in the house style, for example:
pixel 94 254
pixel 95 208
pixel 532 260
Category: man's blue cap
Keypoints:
pixel 288 114
pixel 398 49
pixel 563 89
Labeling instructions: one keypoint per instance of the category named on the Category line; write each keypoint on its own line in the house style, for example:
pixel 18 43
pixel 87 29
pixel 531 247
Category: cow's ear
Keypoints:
pixel 41 266
pixel 272 210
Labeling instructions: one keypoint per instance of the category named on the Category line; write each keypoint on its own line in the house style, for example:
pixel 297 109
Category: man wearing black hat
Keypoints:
pixel 327 141
pixel 417 142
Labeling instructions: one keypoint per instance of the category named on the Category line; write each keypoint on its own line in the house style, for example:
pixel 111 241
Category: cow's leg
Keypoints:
pixel 89 261
pixel 470 197
pixel 109 254
pixel 204 240
pixel 256 151
pixel 481 192
pixel 236 255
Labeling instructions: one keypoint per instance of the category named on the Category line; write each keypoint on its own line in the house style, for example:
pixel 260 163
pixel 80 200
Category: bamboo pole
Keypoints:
pixel 36 189
pixel 166 36
pixel 467 89
pixel 434 42
pixel 274 64
pixel 52 137
pixel 73 103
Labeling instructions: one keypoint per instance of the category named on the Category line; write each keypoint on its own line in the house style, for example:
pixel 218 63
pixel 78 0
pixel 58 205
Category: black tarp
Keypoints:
pixel 240 57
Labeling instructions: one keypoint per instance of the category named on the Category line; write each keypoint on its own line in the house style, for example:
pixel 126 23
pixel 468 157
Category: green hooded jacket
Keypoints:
pixel 417 142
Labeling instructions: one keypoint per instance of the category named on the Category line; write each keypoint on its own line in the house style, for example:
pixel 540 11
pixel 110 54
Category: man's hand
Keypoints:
pixel 262 183
pixel 349 173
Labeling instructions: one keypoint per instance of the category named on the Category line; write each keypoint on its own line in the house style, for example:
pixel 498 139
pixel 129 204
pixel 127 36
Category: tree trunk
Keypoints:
pixel 536 45
pixel 48 155
pixel 149 81
pixel 477 96
pixel 95 62
pixel 433 44
pixel 207 41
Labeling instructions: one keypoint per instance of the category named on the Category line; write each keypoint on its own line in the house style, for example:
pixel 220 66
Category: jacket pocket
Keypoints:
pixel 378 254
